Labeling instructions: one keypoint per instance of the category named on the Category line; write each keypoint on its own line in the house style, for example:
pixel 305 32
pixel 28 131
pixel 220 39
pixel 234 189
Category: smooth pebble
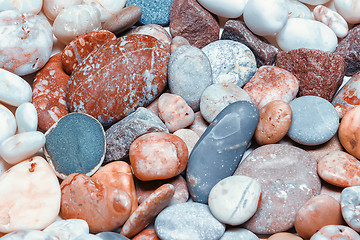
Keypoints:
pixel 350 201
pixel 29 235
pixel 238 234
pixel 107 8
pixel 284 236
pixel 189 137
pixel 24 6
pixel 126 18
pixel 26 118
pixel 332 19
pixel 52 8
pixel 298 10
pixel 333 232
pixel 68 229
pixel 7 123
pixel 226 9
pixel 349 132
pixel 111 236
pixel 349 9
pixel 178 41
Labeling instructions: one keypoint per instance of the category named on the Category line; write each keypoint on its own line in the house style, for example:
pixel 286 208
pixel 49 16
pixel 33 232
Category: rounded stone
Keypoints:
pixel 350 201
pixel 332 19
pixel 349 132
pixel 226 9
pixel 111 236
pixel 298 10
pixel 24 6
pixel 7 123
pixel 68 229
pixel 107 8
pixel 336 232
pixel 28 235
pixel 123 20
pixel 238 234
pixel 189 137
pixel 349 9
pixel 314 120
pixel 284 236
pixel 26 118
pixel 52 8
pixel 178 41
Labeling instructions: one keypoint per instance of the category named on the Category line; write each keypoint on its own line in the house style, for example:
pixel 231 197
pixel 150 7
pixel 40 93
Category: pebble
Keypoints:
pixel 235 199
pixel 103 207
pixel 191 21
pixel 238 234
pixel 23 190
pixel 158 155
pixel 27 6
pixel 28 235
pixel 147 210
pixel 266 17
pixel 74 21
pixel 3 167
pixel 288 179
pixel 199 125
pixel 284 236
pixel 92 87
pixel 218 96
pixel 175 112
pixel 348 96
pixel 49 92
pixel 52 8
pixel 120 22
pixel 65 139
pixel 14 90
pixel 186 64
pixel 333 232
pixel 349 9
pixel 231 62
pixel 80 47
pixel 7 123
pixel 147 234
pixel 349 132
pixel 21 146
pixel 111 236
pixel 316 213
pixel 219 150
pixel 298 10
pixel 314 2
pixel 107 8
pixel 319 73
pixel 193 221
pixel 26 118
pixel 350 201
pixel 306 33
pixel 340 169
pixel 67 229
pixel 189 137
pixel 226 9
pixel 264 52
pixel 331 190
pixel 26 42
pixel 319 151
pixel 274 122
pixel 272 83
pixel 178 41
pixel 332 19
pixel 121 134
pixel 314 120
pixel 88 237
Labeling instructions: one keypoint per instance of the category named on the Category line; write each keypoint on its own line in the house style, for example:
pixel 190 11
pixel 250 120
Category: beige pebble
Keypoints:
pixel 177 42
pixel 349 132
pixel 199 125
pixel 284 236
pixel 189 137
pixel 123 20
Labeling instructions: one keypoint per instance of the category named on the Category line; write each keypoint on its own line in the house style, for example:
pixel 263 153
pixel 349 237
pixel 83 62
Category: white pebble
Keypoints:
pixel 88 237
pixel 107 8
pixel 306 33
pixel 225 8
pixel 7 123
pixel 28 235
pixel 298 10
pixel 350 202
pixel 349 9
pixel 3 165
pixel 52 8
pixel 24 6
pixel 26 117
pixel 314 2
pixel 332 19
pixel 68 229
pixel 74 21
pixel 266 17
pixel 21 146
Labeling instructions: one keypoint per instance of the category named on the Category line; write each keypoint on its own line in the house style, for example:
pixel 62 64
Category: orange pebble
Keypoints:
pixel 284 236
pixel 349 132
pixel 147 234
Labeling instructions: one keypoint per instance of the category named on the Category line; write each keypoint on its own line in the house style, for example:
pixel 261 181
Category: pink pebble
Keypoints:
pixel 189 137
pixel 332 19
pixel 199 125
pixel 334 232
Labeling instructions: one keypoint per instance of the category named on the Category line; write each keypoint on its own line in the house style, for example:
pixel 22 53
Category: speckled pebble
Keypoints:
pixel 147 234
pixel 238 234
pixel 350 201
pixel 334 232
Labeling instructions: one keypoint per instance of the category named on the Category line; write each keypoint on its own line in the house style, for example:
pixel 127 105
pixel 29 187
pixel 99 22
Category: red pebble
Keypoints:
pixel 147 234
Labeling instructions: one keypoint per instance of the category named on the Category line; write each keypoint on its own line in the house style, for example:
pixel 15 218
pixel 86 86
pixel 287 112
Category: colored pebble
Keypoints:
pixel 306 33
pixel 23 190
pixel 175 112
pixel 66 139
pixel 52 8
pixel 272 83
pixel 94 84
pixel 331 190
pixel 349 132
pixel 218 96
pixel 126 18
pixel 111 236
pixel 316 213
pixel 191 21
pixel 158 155
pixel 199 125
pixel 186 64
pixel 349 9
pixel 231 62
pixel 235 199
pixel 189 137
pixel 26 118
pixel 80 47
pixel 104 208
pixel 238 234
pixel 121 134
pixel 193 221
pixel 284 236
pixel 28 235
pixel 178 41
pixel 147 210
pixel 332 19
pixel 264 17
pixel 49 92
pixel 67 229
pixel 147 234
pixel 21 146
pixel 226 9
pixel 274 122
pixel 350 202
pixel 319 151
pixel 14 90
pixel 332 232
pixel 219 150
pixel 107 8
pixel 25 6
pixel 7 123
pixel 26 42
pixel 288 179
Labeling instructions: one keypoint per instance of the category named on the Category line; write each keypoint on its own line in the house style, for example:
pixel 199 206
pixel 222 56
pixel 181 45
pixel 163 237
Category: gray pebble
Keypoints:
pixel 28 235
pixel 239 234
pixel 111 236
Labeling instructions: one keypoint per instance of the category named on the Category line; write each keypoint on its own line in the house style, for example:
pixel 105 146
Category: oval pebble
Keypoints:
pixel 306 33
pixel 350 201
pixel 24 6
pixel 332 19
pixel 349 9
pixel 126 18
pixel 235 199
pixel 284 236
pixel 107 8
pixel 7 123
pixel 52 8
pixel 20 200
pixel 314 121
pixel 349 132
pixel 238 234
pixel 226 9
pixel 28 235
pixel 147 234
pixel 67 229
pixel 26 118
pixel 21 146
pixel 231 62
pixel 189 137
pixel 298 10
pixel 192 221
pixel 111 236
pixel 333 232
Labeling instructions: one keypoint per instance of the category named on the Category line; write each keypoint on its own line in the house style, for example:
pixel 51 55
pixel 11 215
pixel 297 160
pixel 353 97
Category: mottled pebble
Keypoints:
pixel 199 125
pixel 284 236
pixel 24 6
pixel 107 8
pixel 28 235
pixel 332 19
pixel 178 41
pixel 147 234
pixel 349 132
pixel 52 8
pixel 350 201
pixel 333 232
pixel 68 229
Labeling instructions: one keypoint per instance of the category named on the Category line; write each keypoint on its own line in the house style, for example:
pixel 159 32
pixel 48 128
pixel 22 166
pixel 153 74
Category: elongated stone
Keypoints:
pixel 7 123
pixel 26 117
pixel 219 150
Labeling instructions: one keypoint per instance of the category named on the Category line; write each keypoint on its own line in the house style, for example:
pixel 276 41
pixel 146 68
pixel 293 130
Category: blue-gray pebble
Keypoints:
pixel 188 221
pixel 189 74
pixel 218 152
pixel 111 236
pixel 238 234
pixel 314 120
pixel 153 11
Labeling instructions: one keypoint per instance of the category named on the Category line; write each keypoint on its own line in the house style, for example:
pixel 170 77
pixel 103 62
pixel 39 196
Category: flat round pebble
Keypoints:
pixel 231 62
pixel 314 121
pixel 349 132
pixel 235 199
pixel 28 235
pixel 333 232
pixel 226 9
pixel 288 179
pixel 67 229
pixel 238 234
pixel 350 201
pixel 7 123
pixel 26 118
pixel 284 236
pixel 79 135
pixel 192 221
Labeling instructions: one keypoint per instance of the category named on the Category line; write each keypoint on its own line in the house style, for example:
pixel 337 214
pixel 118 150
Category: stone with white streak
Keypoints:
pixel 225 8
pixel 14 90
pixel 332 19
pixel 349 9
pixel 68 229
pixel 26 118
pixel 7 123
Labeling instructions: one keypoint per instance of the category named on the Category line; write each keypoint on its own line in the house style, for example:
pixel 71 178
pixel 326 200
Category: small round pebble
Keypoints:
pixel 332 19
pixel 225 8
pixel 126 18
pixel 107 8
pixel 349 133
pixel 334 232
pixel 199 125
pixel 350 201
pixel 314 120
pixel 349 9
pixel 154 30
pixel 238 234
pixel 52 8
pixel 24 6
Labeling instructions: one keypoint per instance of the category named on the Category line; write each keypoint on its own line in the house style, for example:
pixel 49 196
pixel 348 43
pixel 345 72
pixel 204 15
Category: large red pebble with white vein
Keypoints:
pixel 158 155
pixel 118 77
